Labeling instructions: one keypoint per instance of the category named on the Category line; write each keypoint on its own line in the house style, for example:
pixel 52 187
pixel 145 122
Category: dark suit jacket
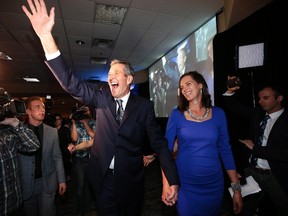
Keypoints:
pixel 125 141
pixel 276 150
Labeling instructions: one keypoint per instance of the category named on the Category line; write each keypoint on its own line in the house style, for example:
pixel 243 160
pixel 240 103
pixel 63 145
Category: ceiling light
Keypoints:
pixel 103 43
pixel 31 79
pixel 98 60
pixel 4 56
pixel 80 42
pixel 109 14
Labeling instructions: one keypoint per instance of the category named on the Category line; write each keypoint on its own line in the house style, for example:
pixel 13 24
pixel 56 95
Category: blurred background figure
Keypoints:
pixel 13 137
pixel 82 129
pixel 64 139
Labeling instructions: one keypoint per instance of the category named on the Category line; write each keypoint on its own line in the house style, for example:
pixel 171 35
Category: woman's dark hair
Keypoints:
pixel 206 97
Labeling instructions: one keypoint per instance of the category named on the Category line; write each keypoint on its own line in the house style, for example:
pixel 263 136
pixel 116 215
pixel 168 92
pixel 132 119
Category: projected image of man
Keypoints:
pixel 174 69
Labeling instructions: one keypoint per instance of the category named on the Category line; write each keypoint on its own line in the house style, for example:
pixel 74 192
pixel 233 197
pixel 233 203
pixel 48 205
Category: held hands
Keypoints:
pixel 170 194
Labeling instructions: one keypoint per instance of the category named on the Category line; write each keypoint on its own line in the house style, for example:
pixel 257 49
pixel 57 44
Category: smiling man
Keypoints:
pixel 116 169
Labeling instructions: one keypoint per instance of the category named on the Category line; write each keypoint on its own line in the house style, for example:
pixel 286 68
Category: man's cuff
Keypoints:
pixel 52 55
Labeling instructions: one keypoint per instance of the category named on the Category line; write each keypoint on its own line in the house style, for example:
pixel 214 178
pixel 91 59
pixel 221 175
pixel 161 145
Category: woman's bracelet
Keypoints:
pixel 236 187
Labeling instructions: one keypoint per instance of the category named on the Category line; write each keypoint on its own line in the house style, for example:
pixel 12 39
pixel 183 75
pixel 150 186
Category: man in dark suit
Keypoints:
pixel 269 159
pixel 116 165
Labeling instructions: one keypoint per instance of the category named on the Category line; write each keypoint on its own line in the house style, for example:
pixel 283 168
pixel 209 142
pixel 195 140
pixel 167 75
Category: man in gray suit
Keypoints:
pixel 41 172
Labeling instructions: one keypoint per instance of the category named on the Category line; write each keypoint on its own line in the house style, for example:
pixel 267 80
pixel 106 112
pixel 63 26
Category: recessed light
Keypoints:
pixel 98 60
pixel 31 79
pixel 80 42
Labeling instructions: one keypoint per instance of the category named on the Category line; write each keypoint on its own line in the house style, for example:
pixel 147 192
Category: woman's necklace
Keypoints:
pixel 199 118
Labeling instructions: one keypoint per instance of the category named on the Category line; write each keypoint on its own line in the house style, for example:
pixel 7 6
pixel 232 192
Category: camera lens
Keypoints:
pixel 233 82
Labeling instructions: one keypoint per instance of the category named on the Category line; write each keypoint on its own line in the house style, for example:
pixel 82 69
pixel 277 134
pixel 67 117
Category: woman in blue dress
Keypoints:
pixel 198 132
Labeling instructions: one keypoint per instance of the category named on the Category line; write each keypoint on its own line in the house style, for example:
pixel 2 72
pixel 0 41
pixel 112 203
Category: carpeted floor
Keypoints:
pixel 153 205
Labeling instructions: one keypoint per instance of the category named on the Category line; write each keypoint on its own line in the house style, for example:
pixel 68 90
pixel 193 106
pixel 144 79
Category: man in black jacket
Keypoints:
pixel 269 155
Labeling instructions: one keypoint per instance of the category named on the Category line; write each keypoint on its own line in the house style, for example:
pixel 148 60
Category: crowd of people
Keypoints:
pixel 105 151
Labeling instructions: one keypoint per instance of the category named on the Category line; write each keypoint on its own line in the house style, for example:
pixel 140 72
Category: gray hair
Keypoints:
pixel 128 68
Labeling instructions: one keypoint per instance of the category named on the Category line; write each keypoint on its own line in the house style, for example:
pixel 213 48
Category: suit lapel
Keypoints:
pixel 45 139
pixel 129 108
pixel 278 124
pixel 112 105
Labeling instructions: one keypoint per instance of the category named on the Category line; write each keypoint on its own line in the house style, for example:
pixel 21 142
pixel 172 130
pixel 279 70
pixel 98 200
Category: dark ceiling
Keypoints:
pixel 150 28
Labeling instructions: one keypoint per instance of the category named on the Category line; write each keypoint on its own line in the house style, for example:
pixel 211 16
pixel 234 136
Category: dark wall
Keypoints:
pixel 268 25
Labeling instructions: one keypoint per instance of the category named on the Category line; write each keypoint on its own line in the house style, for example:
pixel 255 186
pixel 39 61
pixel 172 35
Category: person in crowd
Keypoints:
pixel 116 169
pixel 64 140
pixel 159 95
pixel 202 146
pixel 174 70
pixel 267 145
pixel 64 134
pixel 208 72
pixel 42 172
pixel 82 129
pixel 13 137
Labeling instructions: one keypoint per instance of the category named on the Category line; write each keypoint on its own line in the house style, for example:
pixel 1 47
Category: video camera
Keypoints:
pixel 10 108
pixel 231 83
pixel 79 113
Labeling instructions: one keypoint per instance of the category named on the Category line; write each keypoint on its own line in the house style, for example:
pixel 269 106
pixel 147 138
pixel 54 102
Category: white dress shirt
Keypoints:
pixel 124 103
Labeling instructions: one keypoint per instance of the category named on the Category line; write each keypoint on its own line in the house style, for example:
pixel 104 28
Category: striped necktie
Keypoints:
pixel 260 136
pixel 120 110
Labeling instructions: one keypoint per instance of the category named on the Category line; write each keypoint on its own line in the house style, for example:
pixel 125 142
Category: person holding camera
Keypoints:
pixel 266 143
pixel 13 137
pixel 42 172
pixel 82 129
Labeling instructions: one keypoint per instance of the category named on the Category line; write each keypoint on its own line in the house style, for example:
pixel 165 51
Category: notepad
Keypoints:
pixel 250 187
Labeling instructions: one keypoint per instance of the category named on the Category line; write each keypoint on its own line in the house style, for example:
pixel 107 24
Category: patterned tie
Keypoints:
pixel 260 137
pixel 120 110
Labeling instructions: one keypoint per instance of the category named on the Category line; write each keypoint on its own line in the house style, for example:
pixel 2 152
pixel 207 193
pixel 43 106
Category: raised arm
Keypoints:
pixel 42 23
